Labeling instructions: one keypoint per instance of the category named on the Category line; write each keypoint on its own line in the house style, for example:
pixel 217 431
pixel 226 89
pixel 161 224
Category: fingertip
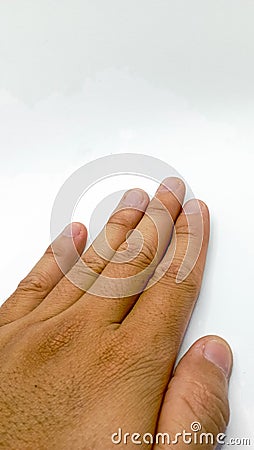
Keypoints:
pixel 135 198
pixel 173 185
pixel 82 229
pixel 194 206
pixel 217 351
pixel 204 209
pixel 75 230
pixel 196 213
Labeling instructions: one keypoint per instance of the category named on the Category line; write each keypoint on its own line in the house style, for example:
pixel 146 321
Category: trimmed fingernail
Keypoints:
pixel 192 207
pixel 171 184
pixel 72 230
pixel 134 197
pixel 219 354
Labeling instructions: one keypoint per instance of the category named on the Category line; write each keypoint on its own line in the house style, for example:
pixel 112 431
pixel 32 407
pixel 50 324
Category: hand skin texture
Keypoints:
pixel 77 364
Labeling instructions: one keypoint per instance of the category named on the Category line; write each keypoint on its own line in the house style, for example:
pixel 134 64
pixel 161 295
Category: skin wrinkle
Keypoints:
pixel 79 365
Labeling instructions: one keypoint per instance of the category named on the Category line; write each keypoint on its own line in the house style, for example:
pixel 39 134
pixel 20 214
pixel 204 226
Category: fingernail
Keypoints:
pixel 219 354
pixel 134 197
pixel 171 184
pixel 192 207
pixel 72 230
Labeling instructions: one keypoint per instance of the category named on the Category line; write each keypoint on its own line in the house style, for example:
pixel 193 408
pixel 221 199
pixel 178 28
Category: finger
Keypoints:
pixel 45 274
pixel 196 400
pixel 121 282
pixel 85 272
pixel 164 309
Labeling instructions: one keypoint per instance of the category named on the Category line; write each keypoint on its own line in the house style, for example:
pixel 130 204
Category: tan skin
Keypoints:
pixel 76 366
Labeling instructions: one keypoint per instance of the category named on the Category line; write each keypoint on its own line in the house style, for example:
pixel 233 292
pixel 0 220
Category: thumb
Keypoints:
pixel 196 400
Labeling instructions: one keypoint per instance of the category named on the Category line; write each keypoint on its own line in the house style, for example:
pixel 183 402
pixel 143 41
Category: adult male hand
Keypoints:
pixel 89 365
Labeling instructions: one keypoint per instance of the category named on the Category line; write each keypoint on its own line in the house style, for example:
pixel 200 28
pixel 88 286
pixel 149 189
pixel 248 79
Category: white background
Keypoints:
pixel 172 79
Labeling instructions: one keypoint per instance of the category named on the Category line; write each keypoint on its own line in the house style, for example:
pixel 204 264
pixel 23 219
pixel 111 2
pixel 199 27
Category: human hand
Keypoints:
pixel 76 366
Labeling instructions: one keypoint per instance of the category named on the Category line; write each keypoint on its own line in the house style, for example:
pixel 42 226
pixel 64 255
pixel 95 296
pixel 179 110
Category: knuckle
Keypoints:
pixel 136 253
pixel 125 251
pixel 169 275
pixel 145 254
pixel 93 261
pixel 54 251
pixel 49 250
pixel 208 404
pixel 121 221
pixel 57 338
pixel 35 282
pixel 118 351
pixel 190 236
pixel 191 284
pixel 168 271
pixel 189 226
pixel 86 271
pixel 156 207
pixel 110 353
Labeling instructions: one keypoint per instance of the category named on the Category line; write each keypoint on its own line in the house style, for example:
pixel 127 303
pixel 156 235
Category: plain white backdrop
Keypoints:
pixel 80 80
